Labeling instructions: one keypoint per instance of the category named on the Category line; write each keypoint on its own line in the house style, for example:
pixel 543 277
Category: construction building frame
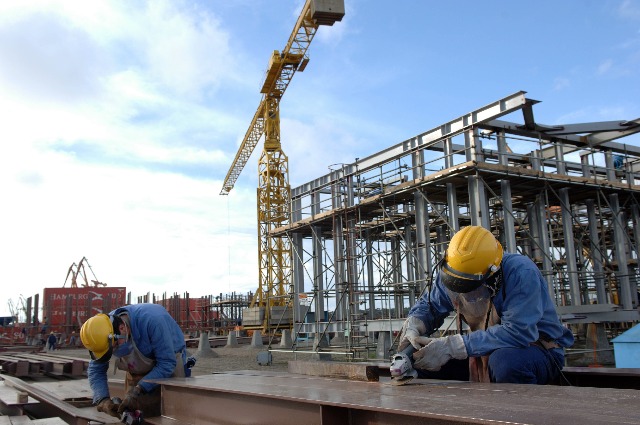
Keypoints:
pixel 367 236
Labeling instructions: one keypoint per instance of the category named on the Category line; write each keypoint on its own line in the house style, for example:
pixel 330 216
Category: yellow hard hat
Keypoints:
pixel 473 255
pixel 96 335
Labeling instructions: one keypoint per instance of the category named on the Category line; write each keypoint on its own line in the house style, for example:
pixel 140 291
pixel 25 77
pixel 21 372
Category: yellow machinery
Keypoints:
pixel 268 309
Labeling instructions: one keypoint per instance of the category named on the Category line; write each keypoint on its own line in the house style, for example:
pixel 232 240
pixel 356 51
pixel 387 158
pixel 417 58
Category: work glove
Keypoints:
pixel 411 329
pixel 439 351
pixel 107 406
pixel 131 401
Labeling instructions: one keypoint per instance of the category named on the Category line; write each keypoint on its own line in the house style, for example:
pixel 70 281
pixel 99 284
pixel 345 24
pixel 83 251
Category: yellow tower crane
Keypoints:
pixel 274 192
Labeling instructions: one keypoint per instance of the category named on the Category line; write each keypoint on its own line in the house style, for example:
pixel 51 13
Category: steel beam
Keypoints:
pixel 487 113
pixel 253 397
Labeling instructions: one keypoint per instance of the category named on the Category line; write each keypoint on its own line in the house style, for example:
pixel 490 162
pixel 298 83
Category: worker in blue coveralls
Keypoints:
pixel 515 333
pixel 144 341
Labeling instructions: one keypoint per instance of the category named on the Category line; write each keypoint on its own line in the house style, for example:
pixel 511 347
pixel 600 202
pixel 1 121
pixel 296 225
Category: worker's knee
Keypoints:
pixel 506 366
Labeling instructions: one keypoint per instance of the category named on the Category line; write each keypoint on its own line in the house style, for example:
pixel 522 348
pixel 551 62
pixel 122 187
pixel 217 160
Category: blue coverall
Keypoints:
pixel 527 314
pixel 156 335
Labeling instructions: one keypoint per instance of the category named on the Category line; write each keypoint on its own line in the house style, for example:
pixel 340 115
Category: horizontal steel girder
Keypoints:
pixel 254 397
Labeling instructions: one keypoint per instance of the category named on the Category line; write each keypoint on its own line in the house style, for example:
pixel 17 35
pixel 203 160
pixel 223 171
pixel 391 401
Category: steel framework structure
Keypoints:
pixel 366 237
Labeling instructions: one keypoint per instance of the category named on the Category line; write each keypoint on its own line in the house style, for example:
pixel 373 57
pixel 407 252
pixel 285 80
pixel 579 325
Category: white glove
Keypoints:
pixel 439 351
pixel 411 329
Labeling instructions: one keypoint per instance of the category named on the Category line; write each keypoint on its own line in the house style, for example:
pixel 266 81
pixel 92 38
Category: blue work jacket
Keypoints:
pixel 524 306
pixel 156 335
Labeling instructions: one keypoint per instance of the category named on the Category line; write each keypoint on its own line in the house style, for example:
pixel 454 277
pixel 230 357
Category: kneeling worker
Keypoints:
pixel 516 335
pixel 146 343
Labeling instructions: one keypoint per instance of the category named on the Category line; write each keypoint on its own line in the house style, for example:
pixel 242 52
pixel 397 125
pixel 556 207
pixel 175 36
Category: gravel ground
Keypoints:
pixel 242 358
pixel 222 359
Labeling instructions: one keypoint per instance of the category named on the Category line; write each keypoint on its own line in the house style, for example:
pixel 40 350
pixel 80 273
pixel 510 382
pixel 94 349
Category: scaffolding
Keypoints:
pixel 217 314
pixel 367 236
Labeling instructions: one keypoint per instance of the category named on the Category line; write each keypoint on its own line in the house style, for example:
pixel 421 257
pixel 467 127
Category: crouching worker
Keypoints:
pixel 516 335
pixel 144 341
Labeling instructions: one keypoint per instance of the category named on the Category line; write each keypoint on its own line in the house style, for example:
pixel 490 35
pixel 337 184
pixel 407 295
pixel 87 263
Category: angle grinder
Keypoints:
pixel 401 368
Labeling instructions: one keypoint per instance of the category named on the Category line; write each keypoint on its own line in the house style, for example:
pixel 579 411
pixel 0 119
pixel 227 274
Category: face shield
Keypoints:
pixel 462 283
pixel 470 293
pixel 479 295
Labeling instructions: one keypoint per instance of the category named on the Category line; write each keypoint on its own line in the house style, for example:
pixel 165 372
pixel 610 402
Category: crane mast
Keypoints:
pixel 274 191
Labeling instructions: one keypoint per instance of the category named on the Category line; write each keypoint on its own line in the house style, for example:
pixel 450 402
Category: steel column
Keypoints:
pixel 370 276
pixel 477 195
pixel 318 262
pixel 297 262
pixel 507 207
pixel 628 299
pixel 596 252
pixel 543 232
pixel 452 200
pixel 569 247
pixel 339 255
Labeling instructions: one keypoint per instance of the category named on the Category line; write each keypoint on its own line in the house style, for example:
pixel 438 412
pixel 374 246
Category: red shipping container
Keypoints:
pixel 68 308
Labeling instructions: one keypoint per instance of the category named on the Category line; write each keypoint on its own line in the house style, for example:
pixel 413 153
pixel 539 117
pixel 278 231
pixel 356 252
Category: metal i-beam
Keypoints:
pixel 424 140
pixel 252 397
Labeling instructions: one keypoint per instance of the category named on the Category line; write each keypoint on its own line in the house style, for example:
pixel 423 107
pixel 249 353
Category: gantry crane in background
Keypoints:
pixel 274 192
pixel 76 270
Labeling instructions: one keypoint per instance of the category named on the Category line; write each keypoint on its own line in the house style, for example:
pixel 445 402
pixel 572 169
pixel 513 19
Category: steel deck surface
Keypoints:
pixel 255 397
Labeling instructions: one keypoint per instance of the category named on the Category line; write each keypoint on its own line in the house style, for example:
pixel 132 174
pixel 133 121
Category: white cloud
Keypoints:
pixel 113 150
pixel 629 10
pixel 561 83
pixel 605 67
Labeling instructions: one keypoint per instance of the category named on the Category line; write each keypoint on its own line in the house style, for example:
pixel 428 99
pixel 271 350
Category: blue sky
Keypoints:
pixel 121 119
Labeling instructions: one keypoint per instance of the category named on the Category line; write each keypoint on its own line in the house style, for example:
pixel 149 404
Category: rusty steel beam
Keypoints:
pixel 50 406
pixel 254 397
pixel 15 367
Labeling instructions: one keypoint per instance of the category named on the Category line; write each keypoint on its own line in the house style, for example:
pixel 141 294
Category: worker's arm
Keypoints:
pixel 159 337
pixel 97 374
pixel 521 311
pixel 432 309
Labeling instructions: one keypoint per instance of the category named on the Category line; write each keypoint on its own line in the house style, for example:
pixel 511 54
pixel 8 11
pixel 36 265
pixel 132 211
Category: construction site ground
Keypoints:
pixel 243 357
